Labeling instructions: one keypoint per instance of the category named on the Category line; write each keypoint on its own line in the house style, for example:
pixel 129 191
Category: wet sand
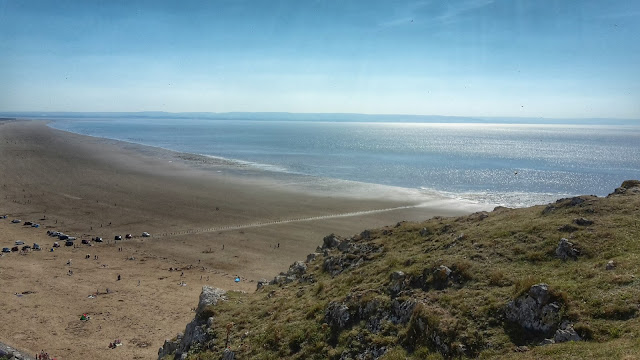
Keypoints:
pixel 208 218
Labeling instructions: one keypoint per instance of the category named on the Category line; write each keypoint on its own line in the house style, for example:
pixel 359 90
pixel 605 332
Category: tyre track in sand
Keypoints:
pixel 279 222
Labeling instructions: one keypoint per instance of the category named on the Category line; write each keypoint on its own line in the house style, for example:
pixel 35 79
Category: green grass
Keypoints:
pixel 496 260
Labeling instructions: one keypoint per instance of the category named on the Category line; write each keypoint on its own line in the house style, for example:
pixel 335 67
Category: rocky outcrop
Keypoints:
pixel 9 353
pixel 566 250
pixel 350 253
pixel 628 187
pixel 582 222
pixel 536 311
pixel 296 271
pixel 196 332
pixel 567 202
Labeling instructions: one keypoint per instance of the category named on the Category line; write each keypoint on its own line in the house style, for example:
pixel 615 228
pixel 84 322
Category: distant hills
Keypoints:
pixel 326 117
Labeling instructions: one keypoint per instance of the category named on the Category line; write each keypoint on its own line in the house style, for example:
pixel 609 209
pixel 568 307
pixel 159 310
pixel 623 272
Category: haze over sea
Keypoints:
pixel 505 164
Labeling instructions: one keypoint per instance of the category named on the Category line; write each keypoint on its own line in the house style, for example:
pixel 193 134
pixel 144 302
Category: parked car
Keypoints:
pixel 56 244
pixel 36 246
pixel 63 237
pixel 117 237
pixel 128 236
pixel 85 241
pixel 26 247
pixel 19 242
pixel 68 243
pixel 97 239
pixel 27 223
pixel 15 249
pixel 15 221
pixel 146 234
pixel 6 250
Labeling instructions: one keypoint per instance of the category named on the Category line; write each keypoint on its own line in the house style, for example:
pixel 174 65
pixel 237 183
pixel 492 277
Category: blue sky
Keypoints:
pixel 542 58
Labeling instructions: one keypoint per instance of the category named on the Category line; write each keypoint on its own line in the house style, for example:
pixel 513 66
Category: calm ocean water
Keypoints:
pixel 510 165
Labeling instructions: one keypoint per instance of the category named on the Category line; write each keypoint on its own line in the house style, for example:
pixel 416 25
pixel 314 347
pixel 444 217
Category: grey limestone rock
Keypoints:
pixel 582 222
pixel 337 315
pixel 566 250
pixel 565 333
pixel 534 311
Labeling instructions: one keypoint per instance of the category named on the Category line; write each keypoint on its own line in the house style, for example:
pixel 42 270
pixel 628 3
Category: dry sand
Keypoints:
pixel 207 218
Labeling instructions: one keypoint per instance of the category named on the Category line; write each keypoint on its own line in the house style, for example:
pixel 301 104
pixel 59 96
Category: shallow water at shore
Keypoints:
pixel 509 165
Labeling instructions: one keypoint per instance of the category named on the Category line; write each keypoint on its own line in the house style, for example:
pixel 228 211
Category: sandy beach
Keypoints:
pixel 207 220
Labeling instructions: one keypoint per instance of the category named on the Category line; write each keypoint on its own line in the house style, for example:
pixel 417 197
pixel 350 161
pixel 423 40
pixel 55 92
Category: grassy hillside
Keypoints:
pixel 441 289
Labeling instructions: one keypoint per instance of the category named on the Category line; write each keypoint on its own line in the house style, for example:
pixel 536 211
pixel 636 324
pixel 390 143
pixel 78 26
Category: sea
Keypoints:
pixel 513 165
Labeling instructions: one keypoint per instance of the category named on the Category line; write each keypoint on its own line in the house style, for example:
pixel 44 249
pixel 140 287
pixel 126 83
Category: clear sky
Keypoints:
pixel 532 58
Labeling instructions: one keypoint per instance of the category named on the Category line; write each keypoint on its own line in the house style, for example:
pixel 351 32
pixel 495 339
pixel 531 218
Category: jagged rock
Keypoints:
pixel 582 222
pixel 627 187
pixel 298 268
pixel 547 342
pixel 195 331
pixel 534 311
pixel 337 315
pixel 567 228
pixel 352 257
pixel 442 277
pixel 344 246
pixel 396 282
pixel 210 296
pixel 566 250
pixel 228 355
pixel 478 216
pixel 262 283
pixel 365 235
pixel 330 241
pixel 401 311
pixel 567 202
pixel 566 333
pixel 296 272
pixel 610 265
pixel 425 232
pixel 312 257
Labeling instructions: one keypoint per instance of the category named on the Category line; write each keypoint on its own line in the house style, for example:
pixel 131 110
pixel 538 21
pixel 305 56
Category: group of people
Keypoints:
pixel 44 356
pixel 115 343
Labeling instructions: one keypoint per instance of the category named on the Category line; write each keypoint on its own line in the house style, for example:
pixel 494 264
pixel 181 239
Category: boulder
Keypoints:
pixel 566 250
pixel 330 241
pixel 195 331
pixel 442 277
pixel 582 222
pixel 566 333
pixel 262 283
pixel 228 355
pixel 396 282
pixel 337 315
pixel 210 296
pixel 535 311
pixel 567 228
pixel 312 257
pixel 610 265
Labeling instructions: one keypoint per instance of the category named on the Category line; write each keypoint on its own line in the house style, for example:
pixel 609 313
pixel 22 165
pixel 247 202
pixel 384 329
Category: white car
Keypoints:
pixel 146 234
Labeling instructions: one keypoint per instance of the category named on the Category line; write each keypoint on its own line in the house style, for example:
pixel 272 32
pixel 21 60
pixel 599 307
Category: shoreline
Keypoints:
pixel 87 187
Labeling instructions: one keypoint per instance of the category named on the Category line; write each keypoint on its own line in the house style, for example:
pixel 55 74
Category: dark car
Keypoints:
pixel 128 236
pixel 63 237
pixel 85 241
pixel 6 250
pixel 117 237
pixel 97 239
pixel 15 249
pixel 27 223
pixel 68 243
